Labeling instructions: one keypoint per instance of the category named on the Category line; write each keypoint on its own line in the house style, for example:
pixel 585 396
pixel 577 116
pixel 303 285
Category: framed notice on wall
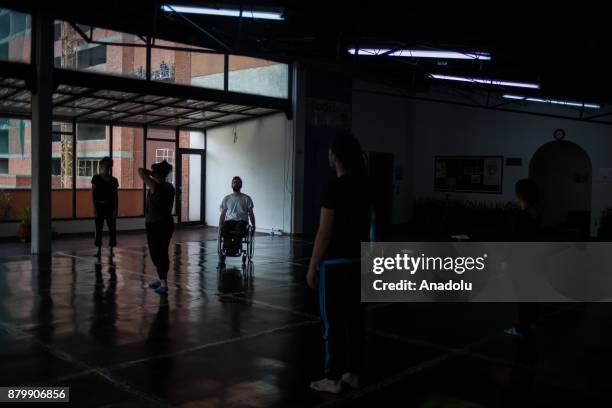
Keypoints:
pixel 469 174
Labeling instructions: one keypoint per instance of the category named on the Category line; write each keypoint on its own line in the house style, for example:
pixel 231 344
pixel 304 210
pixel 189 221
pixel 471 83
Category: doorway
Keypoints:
pixel 381 190
pixel 562 171
pixel 191 179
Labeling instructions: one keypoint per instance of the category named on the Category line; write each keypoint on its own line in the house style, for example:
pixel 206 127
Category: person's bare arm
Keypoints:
pixel 322 240
pixel 145 175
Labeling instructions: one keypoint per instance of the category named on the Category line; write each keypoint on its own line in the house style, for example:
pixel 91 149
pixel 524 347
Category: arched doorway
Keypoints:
pixel 563 172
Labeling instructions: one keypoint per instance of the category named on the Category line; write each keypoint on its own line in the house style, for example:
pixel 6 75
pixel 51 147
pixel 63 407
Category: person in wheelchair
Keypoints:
pixel 236 212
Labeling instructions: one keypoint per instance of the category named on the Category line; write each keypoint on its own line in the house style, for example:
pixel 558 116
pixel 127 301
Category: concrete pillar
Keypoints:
pixel 299 129
pixel 42 110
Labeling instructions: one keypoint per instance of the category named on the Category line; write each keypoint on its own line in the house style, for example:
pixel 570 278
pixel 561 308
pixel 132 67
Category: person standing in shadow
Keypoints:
pixel 335 264
pixel 158 220
pixel 527 228
pixel 105 203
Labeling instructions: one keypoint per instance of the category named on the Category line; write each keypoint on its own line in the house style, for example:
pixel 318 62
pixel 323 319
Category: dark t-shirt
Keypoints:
pixel 527 227
pixel 159 203
pixel 105 189
pixel 348 197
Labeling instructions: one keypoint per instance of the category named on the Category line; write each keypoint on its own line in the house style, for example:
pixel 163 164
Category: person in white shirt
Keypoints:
pixel 236 212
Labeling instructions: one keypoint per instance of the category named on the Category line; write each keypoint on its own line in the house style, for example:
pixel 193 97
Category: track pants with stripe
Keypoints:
pixel 342 316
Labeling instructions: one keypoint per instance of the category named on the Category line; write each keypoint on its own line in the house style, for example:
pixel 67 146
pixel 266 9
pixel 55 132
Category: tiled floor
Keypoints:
pixel 253 338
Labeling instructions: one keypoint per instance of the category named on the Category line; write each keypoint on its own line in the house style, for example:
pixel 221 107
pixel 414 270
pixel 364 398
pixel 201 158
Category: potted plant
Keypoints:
pixel 605 225
pixel 5 204
pixel 25 226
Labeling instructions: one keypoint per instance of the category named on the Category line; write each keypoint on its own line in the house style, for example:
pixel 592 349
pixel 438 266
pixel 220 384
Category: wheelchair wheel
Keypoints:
pixel 251 245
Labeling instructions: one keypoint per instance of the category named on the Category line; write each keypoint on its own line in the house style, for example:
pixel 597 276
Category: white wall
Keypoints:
pixel 440 129
pixel 416 131
pixel 260 152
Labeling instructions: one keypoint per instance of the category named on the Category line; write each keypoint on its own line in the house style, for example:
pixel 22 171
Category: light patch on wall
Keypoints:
pixel 605 175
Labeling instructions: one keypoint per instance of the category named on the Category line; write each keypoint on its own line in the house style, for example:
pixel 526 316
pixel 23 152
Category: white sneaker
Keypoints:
pixel 351 380
pixel 327 385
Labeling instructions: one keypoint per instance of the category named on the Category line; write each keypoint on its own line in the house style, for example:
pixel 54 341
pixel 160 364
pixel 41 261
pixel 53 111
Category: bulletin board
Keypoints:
pixel 469 174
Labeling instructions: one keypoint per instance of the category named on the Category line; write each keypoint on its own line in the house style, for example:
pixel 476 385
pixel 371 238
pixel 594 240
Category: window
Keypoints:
pixel 92 56
pixel 63 150
pixel 57 32
pixel 203 69
pixel 56 166
pixel 15 146
pixel 88 167
pixel 4 136
pixel 5 24
pixel 124 60
pixel 15 36
pixel 164 154
pixel 85 28
pixel 88 131
pixel 18 23
pixel 153 133
pixel 128 157
pixel 157 151
pixel 258 76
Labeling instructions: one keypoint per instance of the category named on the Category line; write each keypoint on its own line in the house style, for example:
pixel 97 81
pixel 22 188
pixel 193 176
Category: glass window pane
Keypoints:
pixel 186 67
pixel 191 140
pixel 92 146
pixel 15 36
pixel 15 167
pixel 61 170
pixel 72 51
pixel 15 152
pixel 128 157
pixel 61 156
pixel 161 150
pixel 153 133
pixel 191 182
pixel 158 151
pixel 258 76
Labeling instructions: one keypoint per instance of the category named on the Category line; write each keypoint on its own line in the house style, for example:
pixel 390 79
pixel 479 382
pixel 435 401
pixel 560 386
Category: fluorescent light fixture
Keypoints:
pixel 485 81
pixel 554 101
pixel 246 13
pixel 422 53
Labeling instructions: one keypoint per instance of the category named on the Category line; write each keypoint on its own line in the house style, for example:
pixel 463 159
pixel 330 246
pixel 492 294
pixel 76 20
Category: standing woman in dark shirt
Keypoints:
pixel 105 202
pixel 159 221
pixel 344 223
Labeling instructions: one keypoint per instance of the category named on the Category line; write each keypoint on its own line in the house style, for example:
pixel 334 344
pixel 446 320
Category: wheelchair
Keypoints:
pixel 244 248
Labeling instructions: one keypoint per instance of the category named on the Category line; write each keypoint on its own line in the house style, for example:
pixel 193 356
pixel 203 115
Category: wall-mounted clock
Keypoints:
pixel 559 134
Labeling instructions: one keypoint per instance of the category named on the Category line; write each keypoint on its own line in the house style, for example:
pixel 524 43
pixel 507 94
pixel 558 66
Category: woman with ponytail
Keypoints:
pixel 335 264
